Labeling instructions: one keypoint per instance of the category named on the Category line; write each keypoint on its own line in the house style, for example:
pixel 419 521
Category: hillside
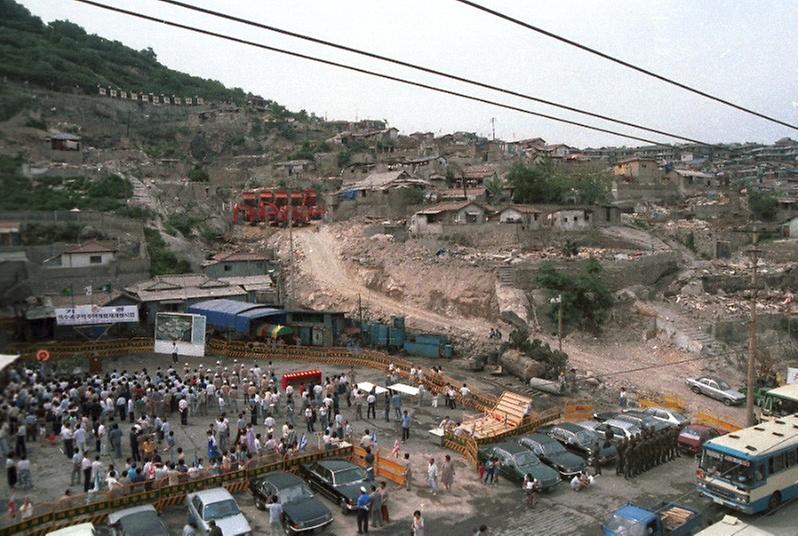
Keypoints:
pixel 62 56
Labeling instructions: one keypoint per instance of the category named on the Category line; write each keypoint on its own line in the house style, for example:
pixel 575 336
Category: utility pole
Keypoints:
pixel 559 320
pixel 360 310
pixel 750 394
pixel 290 293
pixel 493 127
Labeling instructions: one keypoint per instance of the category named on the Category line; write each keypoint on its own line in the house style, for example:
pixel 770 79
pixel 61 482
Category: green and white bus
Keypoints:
pixel 779 400
pixel 753 469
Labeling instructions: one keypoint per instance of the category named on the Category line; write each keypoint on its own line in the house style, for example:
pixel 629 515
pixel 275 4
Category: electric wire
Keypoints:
pixel 427 70
pixel 626 64
pixel 331 63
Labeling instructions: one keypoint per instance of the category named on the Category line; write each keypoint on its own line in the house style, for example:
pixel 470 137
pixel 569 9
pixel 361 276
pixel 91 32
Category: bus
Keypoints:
pixel 753 469
pixel 779 400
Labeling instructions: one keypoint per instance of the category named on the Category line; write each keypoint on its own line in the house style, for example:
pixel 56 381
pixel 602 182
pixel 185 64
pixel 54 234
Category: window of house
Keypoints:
pixel 471 217
pixel 576 219
pixel 535 217
pixel 96 259
pixel 227 267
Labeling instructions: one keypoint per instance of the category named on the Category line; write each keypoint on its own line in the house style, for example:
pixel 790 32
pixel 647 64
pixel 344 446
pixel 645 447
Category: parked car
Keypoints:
pixel 218 505
pixel 620 429
pixel 303 513
pixel 693 436
pixel 716 388
pixel 583 442
pixel 642 420
pixel 338 480
pixel 83 529
pixel 553 454
pixel 516 461
pixel 138 521
pixel 666 415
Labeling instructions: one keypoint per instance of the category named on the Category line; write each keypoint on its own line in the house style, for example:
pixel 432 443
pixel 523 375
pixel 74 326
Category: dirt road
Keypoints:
pixel 321 261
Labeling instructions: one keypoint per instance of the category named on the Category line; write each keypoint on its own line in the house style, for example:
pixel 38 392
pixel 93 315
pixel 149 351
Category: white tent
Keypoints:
pixel 367 386
pixel 404 388
pixel 7 359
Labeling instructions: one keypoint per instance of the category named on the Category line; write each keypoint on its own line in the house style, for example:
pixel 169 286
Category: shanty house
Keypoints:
pixel 91 253
pixel 237 264
pixel 9 233
pixel 63 141
pixel 381 183
pixel 432 219
pixel 642 170
pixel 576 219
pixel 524 214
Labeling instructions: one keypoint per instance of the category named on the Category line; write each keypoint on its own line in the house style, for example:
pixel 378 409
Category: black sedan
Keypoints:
pixel 583 442
pixel 302 512
pixel 338 480
pixel 553 454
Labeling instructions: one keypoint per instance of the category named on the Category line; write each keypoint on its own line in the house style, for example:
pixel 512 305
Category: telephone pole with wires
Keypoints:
pixel 750 395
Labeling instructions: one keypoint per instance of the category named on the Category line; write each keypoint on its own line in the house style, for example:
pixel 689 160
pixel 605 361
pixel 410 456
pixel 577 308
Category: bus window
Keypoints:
pixel 724 469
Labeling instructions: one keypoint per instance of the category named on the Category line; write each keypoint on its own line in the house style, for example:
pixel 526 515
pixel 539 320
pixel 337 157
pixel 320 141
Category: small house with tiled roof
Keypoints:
pixel 430 220
pixel 524 214
pixel 92 253
pixel 237 264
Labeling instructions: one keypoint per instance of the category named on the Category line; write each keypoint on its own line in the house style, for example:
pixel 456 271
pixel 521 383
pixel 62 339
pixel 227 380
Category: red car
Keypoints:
pixel 693 436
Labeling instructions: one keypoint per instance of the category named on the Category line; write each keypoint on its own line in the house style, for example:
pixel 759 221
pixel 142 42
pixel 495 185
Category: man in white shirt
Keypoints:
pixel 365 441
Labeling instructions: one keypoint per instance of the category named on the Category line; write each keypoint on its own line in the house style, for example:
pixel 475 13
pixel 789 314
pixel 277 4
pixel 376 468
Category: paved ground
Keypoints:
pixel 470 504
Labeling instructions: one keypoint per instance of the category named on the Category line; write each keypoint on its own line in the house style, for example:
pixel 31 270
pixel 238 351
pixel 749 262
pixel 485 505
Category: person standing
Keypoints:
pixel 85 466
pixel 396 402
pixel 275 516
pixel 115 438
pixel 182 407
pixel 405 426
pixel 11 471
pixel 77 457
pixel 375 504
pixel 432 476
pixel 383 489
pixel 174 352
pixel 134 445
pixel 417 526
pixel 371 411
pixel 622 400
pixel 369 459
pixel 408 471
pixel 213 530
pixel 447 473
pixel 363 511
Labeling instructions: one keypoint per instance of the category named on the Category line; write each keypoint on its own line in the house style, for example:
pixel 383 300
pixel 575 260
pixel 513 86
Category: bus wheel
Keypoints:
pixel 775 501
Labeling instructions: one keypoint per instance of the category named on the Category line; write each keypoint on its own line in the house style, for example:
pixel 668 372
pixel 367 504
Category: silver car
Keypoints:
pixel 620 429
pixel 716 388
pixel 137 521
pixel 674 418
pixel 217 505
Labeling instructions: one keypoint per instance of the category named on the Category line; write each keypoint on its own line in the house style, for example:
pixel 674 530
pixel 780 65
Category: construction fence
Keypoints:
pixel 384 466
pixel 94 507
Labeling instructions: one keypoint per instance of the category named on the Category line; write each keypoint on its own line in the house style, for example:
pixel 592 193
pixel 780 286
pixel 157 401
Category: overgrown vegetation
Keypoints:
pixel 198 174
pixel 182 223
pixel 105 194
pixel 763 206
pixel 586 299
pixel 554 361
pixel 61 55
pixel 543 184
pixel 34 234
pixel 163 260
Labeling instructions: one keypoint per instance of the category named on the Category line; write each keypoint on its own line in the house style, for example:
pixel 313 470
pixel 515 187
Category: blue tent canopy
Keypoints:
pixel 235 315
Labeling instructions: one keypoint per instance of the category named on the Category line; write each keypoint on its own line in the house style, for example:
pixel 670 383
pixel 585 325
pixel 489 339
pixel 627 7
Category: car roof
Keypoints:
pixel 512 447
pixel 212 495
pixel 698 427
pixel 540 438
pixel 115 516
pixel 81 529
pixel 620 423
pixel 281 479
pixel 571 427
pixel 336 465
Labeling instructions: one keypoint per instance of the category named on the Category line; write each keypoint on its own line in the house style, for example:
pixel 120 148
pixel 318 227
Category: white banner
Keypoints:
pixel 792 375
pixel 83 315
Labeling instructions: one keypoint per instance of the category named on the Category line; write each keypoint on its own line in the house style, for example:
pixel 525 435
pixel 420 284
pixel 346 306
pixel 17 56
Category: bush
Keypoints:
pixel 162 260
pixel 763 206
pixel 586 299
pixel 554 361
pixel 183 223
pixel 198 174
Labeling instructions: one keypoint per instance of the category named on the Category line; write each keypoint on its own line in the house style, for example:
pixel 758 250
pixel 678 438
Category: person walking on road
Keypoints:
pixel 383 490
pixel 375 504
pixel 447 473
pixel 275 516
pixel 405 426
pixel 408 471
pixel 363 511
pixel 396 402
pixel 432 476
pixel 417 525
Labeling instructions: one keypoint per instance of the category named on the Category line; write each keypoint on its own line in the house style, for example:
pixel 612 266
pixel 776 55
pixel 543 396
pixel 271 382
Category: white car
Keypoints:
pixel 217 505
pixel 674 418
pixel 137 521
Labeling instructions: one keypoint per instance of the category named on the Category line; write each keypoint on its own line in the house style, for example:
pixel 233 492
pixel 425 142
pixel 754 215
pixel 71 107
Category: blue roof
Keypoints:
pixel 235 315
pixel 630 511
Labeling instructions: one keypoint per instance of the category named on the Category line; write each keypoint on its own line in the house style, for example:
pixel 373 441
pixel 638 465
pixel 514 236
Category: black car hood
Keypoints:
pixel 305 510
pixel 350 491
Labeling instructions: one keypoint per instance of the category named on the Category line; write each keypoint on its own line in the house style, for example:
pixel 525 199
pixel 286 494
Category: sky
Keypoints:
pixel 743 51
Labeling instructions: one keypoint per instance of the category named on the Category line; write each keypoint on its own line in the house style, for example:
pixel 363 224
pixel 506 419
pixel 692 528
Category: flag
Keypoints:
pixel 303 442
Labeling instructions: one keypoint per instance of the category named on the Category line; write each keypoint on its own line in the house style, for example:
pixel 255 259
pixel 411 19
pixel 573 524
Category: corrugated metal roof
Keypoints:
pixel 232 314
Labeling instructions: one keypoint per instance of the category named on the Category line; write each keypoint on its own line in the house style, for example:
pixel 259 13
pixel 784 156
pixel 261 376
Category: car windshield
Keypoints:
pixel 526 458
pixel 348 476
pixel 220 509
pixel 552 448
pixel 678 416
pixel 723 386
pixel 294 493
pixel 141 523
pixel 691 433
pixel 585 437
pixel 622 526
pixel 728 468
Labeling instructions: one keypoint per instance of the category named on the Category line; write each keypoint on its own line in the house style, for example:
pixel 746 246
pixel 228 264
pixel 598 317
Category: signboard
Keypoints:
pixel 42 355
pixel 85 315
pixel 184 331
pixel 792 375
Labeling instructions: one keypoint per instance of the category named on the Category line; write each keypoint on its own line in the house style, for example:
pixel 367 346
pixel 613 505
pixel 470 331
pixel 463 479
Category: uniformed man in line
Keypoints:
pixel 627 465
pixel 621 457
pixel 676 453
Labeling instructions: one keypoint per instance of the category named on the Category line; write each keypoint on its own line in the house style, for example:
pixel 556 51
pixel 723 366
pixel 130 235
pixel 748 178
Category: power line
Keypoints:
pixel 626 64
pixel 430 87
pixel 427 70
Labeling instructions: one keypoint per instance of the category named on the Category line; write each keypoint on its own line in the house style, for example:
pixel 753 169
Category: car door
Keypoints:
pixel 713 389
pixel 703 386
pixel 601 430
pixel 196 510
pixel 507 462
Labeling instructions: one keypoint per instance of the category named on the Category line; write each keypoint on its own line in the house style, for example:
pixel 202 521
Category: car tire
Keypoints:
pixel 775 501
pixel 728 401
pixel 259 504
pixel 696 390
pixel 344 509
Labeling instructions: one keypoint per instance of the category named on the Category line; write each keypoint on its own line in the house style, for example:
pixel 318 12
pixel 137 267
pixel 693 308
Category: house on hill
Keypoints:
pixel 636 169
pixel 432 219
pixel 524 214
pixel 236 264
pixel 92 253
pixel 63 141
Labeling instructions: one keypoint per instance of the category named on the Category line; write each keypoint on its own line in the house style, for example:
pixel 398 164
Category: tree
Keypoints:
pixel 554 361
pixel 586 299
pixel 527 182
pixel 198 174
pixel 763 206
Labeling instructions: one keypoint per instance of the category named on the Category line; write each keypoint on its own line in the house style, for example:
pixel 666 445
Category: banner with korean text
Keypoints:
pixel 85 315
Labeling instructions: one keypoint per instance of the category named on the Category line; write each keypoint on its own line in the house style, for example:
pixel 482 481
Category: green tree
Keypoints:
pixel 763 206
pixel 198 174
pixel 528 183
pixel 586 299
pixel 554 361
